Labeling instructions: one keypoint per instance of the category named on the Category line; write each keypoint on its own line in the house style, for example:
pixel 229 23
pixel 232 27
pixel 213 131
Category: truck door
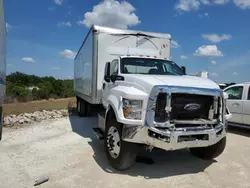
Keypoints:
pixel 111 69
pixel 234 103
pixel 246 107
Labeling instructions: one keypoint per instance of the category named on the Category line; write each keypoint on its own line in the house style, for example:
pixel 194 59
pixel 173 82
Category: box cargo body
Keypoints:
pixel 103 45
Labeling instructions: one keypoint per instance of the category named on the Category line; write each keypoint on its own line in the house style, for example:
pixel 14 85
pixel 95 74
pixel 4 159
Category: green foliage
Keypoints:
pixel 19 87
pixel 229 84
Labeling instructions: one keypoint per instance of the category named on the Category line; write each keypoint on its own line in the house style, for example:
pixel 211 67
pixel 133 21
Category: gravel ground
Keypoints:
pixel 67 151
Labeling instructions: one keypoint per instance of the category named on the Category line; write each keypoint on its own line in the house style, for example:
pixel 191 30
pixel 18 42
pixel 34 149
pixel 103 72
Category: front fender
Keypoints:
pixel 115 101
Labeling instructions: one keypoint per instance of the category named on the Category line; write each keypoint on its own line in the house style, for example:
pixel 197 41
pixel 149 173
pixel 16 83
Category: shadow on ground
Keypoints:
pixel 239 131
pixel 165 164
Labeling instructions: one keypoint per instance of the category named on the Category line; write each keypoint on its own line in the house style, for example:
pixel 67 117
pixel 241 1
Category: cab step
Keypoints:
pixel 99 133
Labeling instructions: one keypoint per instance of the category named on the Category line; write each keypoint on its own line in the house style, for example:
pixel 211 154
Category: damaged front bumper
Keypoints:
pixel 177 133
pixel 173 139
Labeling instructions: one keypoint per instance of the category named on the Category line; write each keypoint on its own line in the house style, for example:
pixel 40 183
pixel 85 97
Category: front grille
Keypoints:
pixel 178 103
pixel 160 113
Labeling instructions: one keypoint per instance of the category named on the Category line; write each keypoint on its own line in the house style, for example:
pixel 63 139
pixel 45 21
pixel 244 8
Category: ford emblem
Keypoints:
pixel 192 107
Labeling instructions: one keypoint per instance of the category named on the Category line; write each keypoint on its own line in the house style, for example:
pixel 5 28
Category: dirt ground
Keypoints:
pixel 67 151
pixel 29 107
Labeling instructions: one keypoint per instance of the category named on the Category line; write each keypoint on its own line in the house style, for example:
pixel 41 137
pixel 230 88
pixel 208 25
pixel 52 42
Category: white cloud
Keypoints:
pixel 221 1
pixel 187 5
pixel 58 2
pixel 235 73
pixel 205 2
pixel 208 51
pixel 214 74
pixel 205 15
pixel 28 59
pixel 213 62
pixel 81 22
pixel 244 4
pixel 183 57
pixel 62 24
pixel 111 13
pixel 216 38
pixel 174 44
pixel 8 26
pixel 218 2
pixel 68 54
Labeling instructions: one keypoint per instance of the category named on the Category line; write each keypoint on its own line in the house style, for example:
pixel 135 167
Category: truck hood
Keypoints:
pixel 149 81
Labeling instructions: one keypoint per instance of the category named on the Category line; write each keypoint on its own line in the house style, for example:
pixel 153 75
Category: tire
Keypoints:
pixel 127 154
pixel 209 152
pixel 81 107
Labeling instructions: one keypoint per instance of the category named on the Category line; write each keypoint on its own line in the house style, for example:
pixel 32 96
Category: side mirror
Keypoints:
pixel 113 78
pixel 183 69
pixel 107 78
pixel 107 72
pixel 116 77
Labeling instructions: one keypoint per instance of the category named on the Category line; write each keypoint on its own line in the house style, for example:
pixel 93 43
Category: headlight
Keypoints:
pixel 132 109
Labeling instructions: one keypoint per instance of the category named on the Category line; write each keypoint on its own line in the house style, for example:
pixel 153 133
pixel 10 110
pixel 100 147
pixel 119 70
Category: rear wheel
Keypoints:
pixel 121 155
pixel 81 107
pixel 209 152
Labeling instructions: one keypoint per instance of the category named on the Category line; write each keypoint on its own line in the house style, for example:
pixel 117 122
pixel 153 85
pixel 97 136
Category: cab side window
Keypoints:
pixel 235 93
pixel 248 96
pixel 114 67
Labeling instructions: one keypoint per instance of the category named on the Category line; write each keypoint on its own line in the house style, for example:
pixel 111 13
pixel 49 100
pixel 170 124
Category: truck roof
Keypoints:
pixel 126 31
pixel 110 30
pixel 142 56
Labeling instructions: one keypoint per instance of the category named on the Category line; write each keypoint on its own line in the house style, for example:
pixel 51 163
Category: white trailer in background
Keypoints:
pixel 2 62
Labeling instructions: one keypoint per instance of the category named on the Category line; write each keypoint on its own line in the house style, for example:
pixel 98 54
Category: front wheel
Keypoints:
pixel 209 152
pixel 121 155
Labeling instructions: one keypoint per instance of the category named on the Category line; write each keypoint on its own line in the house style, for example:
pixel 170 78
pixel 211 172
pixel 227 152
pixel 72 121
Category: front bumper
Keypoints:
pixel 178 138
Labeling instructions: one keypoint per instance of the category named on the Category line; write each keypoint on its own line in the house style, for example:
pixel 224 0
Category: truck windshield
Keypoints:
pixel 149 66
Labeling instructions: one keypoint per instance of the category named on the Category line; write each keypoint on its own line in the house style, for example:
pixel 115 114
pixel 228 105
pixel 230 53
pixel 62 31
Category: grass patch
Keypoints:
pixel 30 107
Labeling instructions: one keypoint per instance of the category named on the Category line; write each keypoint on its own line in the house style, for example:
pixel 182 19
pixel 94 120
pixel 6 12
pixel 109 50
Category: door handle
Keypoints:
pixel 236 104
pixel 103 86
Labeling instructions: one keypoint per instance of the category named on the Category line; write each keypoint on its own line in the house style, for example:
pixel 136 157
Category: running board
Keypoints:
pixel 99 133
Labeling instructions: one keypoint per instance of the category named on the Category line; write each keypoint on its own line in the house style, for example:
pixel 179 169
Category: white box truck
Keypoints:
pixel 2 62
pixel 148 99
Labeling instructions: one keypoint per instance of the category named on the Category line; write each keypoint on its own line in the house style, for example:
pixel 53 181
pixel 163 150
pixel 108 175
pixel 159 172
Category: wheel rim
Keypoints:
pixel 113 142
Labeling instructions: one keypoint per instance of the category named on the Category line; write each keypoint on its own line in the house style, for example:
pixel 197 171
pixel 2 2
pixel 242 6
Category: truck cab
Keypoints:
pixel 157 104
pixel 239 104
pixel 125 68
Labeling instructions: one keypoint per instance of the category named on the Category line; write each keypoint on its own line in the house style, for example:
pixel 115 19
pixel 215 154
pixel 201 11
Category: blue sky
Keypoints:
pixel 209 35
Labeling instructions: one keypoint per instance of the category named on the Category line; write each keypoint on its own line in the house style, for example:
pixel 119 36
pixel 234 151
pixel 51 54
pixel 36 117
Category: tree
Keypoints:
pixel 229 84
pixel 45 87
pixel 20 92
